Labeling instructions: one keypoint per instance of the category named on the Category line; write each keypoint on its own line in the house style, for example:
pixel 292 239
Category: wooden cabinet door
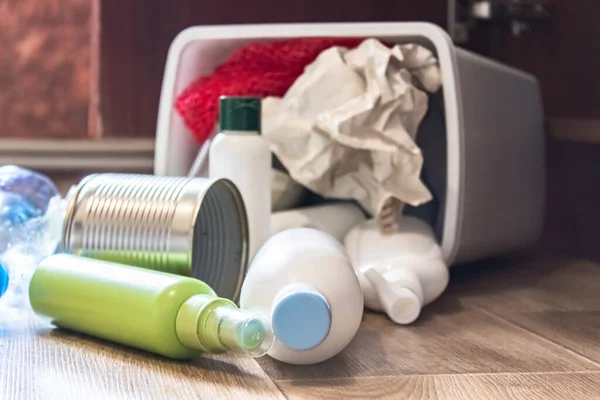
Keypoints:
pixel 45 81
pixel 564 54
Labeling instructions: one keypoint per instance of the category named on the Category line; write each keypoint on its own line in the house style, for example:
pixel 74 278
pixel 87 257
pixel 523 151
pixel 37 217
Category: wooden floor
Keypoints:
pixel 525 327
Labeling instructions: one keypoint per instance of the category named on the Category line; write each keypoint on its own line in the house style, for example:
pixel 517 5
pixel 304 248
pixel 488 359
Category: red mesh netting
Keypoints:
pixel 262 70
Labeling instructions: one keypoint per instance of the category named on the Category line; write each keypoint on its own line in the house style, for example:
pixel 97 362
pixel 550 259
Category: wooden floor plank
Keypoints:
pixel 512 328
pixel 563 386
pixel 578 331
pixel 554 297
pixel 531 283
pixel 447 339
pixel 39 362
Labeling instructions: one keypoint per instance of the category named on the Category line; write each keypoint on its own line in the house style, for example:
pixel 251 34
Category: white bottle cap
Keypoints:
pixel 401 299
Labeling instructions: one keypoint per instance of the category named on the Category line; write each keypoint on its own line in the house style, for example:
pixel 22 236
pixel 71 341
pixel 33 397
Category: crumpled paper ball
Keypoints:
pixel 346 129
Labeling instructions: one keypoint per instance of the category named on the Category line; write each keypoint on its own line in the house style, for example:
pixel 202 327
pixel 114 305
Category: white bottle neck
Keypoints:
pixel 399 291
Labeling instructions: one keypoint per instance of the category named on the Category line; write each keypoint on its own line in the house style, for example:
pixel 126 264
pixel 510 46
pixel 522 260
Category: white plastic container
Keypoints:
pixel 399 273
pixel 239 153
pixel 483 140
pixel 335 219
pixel 302 279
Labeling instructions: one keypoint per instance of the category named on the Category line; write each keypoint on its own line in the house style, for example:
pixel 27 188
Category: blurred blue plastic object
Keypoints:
pixel 24 236
pixel 16 210
pixel 3 279
pixel 24 195
pixel 31 192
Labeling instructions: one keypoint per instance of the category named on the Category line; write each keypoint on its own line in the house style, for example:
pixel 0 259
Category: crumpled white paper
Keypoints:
pixel 346 128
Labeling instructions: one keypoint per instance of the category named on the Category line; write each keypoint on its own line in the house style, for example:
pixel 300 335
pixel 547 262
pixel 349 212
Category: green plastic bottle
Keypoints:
pixel 171 315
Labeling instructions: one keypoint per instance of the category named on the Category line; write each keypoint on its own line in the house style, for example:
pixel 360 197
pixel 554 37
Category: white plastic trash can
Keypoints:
pixel 482 140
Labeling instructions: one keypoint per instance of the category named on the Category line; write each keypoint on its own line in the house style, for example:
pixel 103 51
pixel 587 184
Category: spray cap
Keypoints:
pixel 3 278
pixel 400 295
pixel 301 317
pixel 215 325
pixel 239 114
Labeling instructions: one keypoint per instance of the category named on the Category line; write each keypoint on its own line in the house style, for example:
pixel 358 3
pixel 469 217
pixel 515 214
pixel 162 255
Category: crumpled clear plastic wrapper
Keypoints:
pixel 35 188
pixel 346 129
pixel 31 218
pixel 28 244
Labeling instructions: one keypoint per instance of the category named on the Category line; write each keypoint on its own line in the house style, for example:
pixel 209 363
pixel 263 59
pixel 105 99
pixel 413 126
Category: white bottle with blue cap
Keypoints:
pixel 302 279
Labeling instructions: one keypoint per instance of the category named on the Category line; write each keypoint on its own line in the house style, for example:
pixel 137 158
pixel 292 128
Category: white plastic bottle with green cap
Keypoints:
pixel 239 153
pixel 302 280
pixel 400 273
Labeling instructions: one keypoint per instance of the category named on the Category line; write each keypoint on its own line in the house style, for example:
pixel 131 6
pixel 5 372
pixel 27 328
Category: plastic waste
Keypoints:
pixel 302 280
pixel 335 219
pixel 3 278
pixel 35 188
pixel 401 272
pixel 240 153
pixel 171 315
pixel 31 215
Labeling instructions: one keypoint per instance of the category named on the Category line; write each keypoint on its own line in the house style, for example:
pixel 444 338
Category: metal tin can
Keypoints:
pixel 188 226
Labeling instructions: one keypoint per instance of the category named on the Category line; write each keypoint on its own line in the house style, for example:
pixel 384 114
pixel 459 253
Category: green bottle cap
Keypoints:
pixel 239 114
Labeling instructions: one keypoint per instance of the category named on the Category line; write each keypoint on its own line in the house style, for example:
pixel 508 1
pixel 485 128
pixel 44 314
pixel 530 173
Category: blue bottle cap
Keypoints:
pixel 301 320
pixel 3 279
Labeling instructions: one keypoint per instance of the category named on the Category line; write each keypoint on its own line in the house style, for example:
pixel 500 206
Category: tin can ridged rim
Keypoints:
pixel 244 228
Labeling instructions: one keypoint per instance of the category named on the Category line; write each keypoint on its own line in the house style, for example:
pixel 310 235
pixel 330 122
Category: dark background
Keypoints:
pixel 92 69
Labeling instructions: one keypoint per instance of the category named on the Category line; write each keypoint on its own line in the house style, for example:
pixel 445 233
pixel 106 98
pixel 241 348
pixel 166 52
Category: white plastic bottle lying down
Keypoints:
pixel 335 219
pixel 399 273
pixel 303 281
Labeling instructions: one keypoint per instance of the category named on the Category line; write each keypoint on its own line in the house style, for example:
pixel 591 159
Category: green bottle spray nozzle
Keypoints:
pixel 215 325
